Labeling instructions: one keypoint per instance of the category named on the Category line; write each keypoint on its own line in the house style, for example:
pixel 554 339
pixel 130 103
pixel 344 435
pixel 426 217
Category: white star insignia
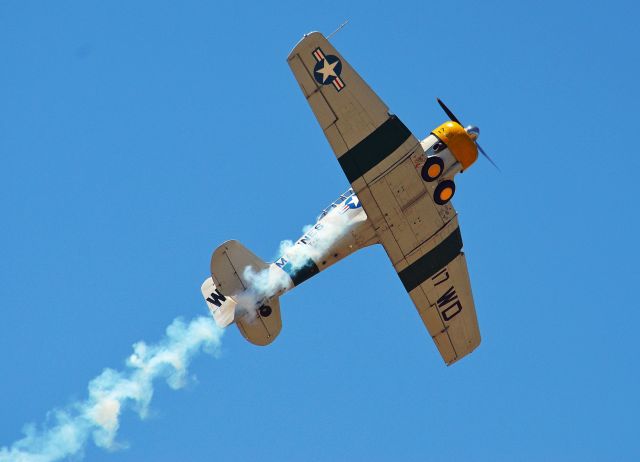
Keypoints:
pixel 328 70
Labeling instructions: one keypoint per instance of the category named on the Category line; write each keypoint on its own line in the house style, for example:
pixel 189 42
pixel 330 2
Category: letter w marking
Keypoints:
pixel 216 298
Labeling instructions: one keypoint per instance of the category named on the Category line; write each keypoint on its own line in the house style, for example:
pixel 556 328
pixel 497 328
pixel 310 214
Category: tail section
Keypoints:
pixel 229 266
pixel 231 297
pixel 263 325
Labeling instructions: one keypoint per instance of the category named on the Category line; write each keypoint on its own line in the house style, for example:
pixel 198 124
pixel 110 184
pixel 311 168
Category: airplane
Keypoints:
pixel 400 197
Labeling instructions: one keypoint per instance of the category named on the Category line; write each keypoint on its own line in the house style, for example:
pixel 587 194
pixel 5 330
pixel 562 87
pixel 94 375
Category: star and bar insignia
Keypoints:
pixel 327 69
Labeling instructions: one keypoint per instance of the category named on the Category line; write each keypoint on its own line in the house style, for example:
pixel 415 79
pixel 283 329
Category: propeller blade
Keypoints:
pixel 487 156
pixel 449 113
pixel 455 119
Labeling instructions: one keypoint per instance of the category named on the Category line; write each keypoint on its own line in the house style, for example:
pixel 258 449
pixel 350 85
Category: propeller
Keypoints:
pixel 487 157
pixel 452 116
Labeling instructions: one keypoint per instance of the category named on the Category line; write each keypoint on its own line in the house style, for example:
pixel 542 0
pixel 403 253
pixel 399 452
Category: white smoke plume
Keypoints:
pixel 68 430
pixel 316 242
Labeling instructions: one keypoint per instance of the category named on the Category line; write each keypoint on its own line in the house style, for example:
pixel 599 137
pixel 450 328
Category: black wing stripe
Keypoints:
pixel 376 147
pixel 430 263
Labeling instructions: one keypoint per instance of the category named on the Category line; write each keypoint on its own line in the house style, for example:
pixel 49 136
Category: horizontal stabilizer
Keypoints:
pixel 228 265
pixel 263 325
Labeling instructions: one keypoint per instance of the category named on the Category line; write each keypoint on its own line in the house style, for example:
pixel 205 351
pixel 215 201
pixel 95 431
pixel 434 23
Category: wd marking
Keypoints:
pixel 449 304
pixel 441 276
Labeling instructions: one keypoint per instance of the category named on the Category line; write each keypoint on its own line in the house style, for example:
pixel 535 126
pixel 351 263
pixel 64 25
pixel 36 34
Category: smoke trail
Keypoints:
pixel 316 242
pixel 67 431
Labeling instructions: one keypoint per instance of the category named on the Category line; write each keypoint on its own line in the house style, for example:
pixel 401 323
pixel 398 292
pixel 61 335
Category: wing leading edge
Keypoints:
pixel 380 157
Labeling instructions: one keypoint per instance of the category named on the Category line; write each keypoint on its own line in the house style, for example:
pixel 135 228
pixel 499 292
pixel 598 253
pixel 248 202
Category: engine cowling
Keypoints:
pixel 459 141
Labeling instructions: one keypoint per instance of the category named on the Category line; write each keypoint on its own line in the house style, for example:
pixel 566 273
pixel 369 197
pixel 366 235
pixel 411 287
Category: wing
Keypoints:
pixel 382 160
pixel 438 283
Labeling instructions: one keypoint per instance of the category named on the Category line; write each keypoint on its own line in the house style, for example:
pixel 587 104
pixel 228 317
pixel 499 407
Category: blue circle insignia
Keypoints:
pixel 327 69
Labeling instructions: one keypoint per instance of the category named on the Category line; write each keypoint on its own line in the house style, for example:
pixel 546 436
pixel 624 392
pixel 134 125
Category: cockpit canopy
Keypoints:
pixel 343 197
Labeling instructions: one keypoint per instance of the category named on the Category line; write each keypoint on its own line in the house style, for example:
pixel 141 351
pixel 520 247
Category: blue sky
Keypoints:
pixel 135 137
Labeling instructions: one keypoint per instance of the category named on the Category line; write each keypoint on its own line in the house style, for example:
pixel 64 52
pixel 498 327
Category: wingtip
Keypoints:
pixel 304 37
